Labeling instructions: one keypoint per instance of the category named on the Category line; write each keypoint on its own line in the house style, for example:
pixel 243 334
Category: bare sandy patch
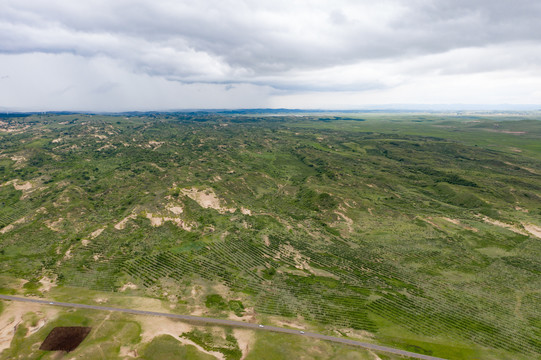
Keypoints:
pixel 6 229
pixel 245 339
pixel 126 351
pixel 158 220
pixel 19 160
pixel 56 141
pixel 85 242
pixel 96 233
pixel 12 315
pixel 453 221
pixel 54 225
pixel 429 221
pixel 348 221
pixel 459 223
pixel 12 225
pixel 47 284
pixel 206 199
pixel 513 228
pixel 68 255
pixel 152 328
pixel 177 210
pixel 24 186
pixel 246 211
pixel 266 240
pixel 533 229
pixel 154 144
pixel 122 223
pixel 127 286
pixel 100 136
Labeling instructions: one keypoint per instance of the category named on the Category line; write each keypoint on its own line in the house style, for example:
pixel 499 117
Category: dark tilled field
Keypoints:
pixel 65 338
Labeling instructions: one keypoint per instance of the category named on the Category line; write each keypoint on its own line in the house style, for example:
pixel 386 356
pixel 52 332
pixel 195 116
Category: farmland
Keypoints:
pixel 420 232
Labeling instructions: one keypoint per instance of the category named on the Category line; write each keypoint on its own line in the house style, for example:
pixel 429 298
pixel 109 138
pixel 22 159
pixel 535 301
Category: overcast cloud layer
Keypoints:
pixel 152 55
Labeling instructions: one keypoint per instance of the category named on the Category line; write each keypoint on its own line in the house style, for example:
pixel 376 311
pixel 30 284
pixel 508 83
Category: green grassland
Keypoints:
pixel 417 231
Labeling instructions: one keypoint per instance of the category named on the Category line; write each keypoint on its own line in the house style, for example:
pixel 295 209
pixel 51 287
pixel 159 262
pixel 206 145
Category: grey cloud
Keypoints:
pixel 252 41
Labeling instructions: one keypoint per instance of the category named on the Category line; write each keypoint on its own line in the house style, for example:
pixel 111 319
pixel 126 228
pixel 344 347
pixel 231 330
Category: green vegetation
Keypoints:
pixel 166 347
pixel 211 342
pixel 421 231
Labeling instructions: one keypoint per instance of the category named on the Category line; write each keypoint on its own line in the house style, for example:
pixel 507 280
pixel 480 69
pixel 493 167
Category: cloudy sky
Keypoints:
pixel 115 55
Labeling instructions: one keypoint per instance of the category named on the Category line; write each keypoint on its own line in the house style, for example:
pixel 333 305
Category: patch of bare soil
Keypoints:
pixel 177 210
pixel 122 223
pixel 12 315
pixel 513 228
pixel 96 233
pixel 429 221
pixel 47 284
pixel 65 338
pixel 158 220
pixel 206 199
pixel 245 339
pixel 457 222
pixel 533 229
pixel 126 351
pixel 348 221
pixel 12 226
pixel 127 286
pixel 152 328
pixel 54 225
pixel 23 186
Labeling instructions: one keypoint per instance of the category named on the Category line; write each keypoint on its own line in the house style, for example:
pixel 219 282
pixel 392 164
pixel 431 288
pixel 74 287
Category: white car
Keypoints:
pixel 261 326
pixel 302 332
pixel 51 303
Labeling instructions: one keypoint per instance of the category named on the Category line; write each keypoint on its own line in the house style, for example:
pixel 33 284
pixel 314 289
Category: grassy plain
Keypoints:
pixel 420 232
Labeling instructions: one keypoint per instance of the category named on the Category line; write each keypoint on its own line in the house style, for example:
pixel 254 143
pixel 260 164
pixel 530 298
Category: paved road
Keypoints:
pixel 228 323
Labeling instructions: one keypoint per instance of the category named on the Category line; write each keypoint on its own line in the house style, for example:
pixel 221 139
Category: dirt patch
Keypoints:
pixel 177 210
pixel 348 221
pixel 54 225
pixel 533 229
pixel 47 284
pixel 23 187
pixel 12 315
pixel 19 160
pixel 122 223
pixel 429 221
pixel 68 255
pixel 245 339
pixel 206 199
pixel 513 228
pixel 12 226
pixel 246 211
pixel 457 222
pixel 157 220
pixel 127 286
pixel 65 338
pixel 96 233
pixel 266 240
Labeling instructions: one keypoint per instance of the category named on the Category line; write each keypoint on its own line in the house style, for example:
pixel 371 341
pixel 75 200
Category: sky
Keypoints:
pixel 129 55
